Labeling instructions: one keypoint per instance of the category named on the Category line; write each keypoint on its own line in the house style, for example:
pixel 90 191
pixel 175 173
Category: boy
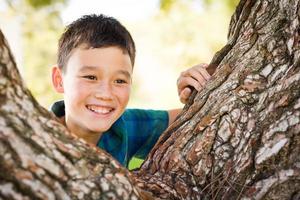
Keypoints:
pixel 95 64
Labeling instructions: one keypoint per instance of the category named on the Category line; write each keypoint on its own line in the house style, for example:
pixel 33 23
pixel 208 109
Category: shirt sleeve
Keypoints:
pixel 144 129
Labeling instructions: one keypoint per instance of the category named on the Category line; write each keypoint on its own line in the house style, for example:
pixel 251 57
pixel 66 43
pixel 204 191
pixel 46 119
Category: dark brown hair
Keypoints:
pixel 94 31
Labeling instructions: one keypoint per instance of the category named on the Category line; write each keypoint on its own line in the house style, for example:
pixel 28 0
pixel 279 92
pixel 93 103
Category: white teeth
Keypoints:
pixel 99 110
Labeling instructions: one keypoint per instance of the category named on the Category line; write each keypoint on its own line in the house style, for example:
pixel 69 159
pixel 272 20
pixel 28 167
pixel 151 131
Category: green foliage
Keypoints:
pixel 36 4
pixel 135 163
pixel 41 30
pixel 229 4
pixel 166 5
pixel 40 3
pixel 184 36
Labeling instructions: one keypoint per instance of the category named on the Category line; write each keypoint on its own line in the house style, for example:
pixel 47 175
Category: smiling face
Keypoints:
pixel 96 87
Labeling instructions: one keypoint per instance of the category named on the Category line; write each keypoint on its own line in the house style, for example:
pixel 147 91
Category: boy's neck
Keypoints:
pixel 90 138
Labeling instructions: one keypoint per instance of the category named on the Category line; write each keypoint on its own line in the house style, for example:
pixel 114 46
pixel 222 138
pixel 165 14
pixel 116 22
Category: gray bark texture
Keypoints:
pixel 239 137
pixel 236 139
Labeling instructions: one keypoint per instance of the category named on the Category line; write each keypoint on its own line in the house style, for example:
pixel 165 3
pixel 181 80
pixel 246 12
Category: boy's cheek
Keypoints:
pixel 80 86
pixel 123 96
pixel 127 93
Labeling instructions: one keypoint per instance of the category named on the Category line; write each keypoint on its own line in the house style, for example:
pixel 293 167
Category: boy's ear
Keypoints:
pixel 57 79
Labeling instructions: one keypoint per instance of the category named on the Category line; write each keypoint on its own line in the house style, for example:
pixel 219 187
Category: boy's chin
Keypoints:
pixel 100 129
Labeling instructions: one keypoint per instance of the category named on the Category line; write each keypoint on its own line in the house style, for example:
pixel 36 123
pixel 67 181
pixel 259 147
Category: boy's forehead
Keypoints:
pixel 90 58
pixel 85 47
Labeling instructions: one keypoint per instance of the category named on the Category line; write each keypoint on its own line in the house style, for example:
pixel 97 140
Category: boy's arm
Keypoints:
pixel 194 77
pixel 173 114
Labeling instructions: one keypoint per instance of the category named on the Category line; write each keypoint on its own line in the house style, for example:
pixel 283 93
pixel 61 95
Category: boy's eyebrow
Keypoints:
pixel 88 67
pixel 125 73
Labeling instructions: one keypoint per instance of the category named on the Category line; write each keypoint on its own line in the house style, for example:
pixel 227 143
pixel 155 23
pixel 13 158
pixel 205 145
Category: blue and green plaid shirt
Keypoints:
pixel 132 135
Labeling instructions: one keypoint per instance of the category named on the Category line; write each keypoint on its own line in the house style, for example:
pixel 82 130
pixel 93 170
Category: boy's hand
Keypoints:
pixel 195 77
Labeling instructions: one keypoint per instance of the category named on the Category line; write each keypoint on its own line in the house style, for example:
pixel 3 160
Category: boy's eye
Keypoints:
pixel 120 81
pixel 90 77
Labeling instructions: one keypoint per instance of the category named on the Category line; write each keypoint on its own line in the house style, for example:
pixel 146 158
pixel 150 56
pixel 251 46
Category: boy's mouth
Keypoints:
pixel 99 109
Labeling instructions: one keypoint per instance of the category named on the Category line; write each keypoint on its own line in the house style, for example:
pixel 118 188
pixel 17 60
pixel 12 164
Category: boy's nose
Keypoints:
pixel 103 91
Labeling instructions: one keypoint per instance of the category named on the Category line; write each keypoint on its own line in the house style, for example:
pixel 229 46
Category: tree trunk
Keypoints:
pixel 236 139
pixel 239 137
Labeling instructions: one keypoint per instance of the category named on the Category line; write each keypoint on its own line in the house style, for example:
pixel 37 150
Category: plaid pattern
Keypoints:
pixel 132 135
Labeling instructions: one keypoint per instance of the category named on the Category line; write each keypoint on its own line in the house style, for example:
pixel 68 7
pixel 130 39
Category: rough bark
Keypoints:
pixel 237 139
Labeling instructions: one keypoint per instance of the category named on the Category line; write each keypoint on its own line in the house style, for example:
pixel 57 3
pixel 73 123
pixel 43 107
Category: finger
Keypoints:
pixel 202 69
pixel 183 100
pixel 185 94
pixel 196 74
pixel 183 82
pixel 204 65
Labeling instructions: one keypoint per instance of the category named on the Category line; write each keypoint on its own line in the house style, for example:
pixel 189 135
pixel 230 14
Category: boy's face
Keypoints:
pixel 96 87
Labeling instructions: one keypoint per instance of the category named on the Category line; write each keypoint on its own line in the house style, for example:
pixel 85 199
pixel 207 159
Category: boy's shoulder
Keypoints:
pixel 144 114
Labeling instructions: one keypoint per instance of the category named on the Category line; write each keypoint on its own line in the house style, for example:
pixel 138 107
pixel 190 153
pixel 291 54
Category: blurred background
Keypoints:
pixel 170 36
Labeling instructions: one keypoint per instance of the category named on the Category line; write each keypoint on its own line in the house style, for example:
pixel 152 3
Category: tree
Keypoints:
pixel 236 139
